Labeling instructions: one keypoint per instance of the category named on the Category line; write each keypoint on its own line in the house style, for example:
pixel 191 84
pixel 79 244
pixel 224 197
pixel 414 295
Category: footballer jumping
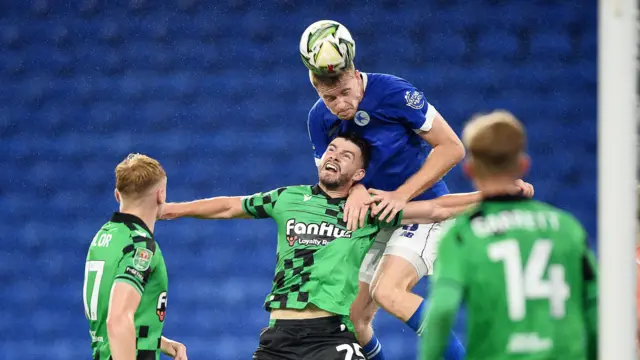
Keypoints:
pixel 399 123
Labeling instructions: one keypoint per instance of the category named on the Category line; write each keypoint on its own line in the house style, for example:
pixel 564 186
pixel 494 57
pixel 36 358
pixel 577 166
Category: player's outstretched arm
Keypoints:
pixel 448 206
pixel 221 207
pixel 123 304
pixel 440 209
pixel 173 349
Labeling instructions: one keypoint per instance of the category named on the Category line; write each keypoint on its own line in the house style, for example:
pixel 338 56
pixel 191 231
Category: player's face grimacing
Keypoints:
pixel 343 98
pixel 341 164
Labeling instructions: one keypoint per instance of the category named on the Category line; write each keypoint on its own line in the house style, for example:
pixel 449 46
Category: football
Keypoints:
pixel 327 48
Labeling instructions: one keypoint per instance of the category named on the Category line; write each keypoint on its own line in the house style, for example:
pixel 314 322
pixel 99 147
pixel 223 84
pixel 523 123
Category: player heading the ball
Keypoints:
pixel 125 278
pixel 522 267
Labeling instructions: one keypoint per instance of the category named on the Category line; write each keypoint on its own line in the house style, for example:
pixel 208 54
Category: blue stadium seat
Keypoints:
pixel 550 45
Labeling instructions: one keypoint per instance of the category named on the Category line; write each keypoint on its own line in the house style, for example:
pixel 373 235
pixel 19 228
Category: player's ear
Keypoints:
pixel 161 195
pixel 524 164
pixel 117 195
pixel 359 175
pixel 467 168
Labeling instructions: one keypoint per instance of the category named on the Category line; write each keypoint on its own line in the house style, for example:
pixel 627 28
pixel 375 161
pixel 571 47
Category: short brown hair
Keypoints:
pixel 136 174
pixel 495 142
pixel 331 80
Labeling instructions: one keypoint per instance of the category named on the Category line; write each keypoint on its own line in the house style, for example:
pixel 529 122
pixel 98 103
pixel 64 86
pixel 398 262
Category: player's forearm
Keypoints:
pixel 122 337
pixel 213 208
pixel 458 200
pixel 443 306
pixel 440 209
pixel 442 158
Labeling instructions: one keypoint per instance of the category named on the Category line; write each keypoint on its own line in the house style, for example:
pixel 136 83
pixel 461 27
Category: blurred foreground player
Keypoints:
pixel 125 278
pixel 522 267
pixel 318 258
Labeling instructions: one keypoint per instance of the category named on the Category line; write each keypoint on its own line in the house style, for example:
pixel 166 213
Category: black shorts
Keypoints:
pixel 310 339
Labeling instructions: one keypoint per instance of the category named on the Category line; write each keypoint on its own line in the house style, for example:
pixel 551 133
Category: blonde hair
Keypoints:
pixel 495 142
pixel 331 80
pixel 137 174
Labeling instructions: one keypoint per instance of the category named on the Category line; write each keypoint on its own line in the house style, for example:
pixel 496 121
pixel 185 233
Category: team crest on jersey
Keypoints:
pixel 142 259
pixel 414 99
pixel 313 234
pixel 361 118
pixel 161 307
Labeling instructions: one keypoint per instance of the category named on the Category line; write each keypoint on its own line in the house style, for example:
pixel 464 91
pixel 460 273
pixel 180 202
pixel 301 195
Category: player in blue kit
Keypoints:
pixel 413 147
pixel 400 124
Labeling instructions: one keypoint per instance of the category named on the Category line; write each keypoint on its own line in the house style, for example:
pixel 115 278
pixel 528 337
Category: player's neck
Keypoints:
pixel 147 214
pixel 495 186
pixel 341 192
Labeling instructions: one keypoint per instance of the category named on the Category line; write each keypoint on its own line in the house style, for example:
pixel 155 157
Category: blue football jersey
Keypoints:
pixel 389 116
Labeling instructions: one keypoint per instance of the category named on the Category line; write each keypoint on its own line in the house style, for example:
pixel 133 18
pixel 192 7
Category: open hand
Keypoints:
pixel 174 349
pixel 524 188
pixel 356 208
pixel 387 204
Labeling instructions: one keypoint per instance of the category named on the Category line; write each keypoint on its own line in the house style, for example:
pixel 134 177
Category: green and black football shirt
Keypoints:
pixel 124 250
pixel 318 259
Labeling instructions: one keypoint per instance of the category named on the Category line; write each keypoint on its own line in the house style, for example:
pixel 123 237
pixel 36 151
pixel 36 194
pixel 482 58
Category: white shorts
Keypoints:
pixel 415 243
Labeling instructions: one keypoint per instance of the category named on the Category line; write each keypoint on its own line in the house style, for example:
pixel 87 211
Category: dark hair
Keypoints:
pixel 361 143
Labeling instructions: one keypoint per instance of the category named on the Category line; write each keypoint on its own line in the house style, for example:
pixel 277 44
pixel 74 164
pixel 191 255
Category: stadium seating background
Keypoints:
pixel 219 95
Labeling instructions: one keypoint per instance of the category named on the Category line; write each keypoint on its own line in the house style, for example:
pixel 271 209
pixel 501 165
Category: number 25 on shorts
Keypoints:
pixel 350 350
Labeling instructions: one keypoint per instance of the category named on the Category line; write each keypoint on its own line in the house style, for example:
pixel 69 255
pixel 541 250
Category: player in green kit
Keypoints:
pixel 125 278
pixel 318 259
pixel 522 267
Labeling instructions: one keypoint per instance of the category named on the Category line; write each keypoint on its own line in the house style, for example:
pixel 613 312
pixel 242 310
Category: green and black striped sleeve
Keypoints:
pixel 136 264
pixel 261 205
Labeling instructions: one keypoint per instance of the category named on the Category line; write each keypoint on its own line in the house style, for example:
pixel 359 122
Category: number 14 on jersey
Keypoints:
pixel 527 283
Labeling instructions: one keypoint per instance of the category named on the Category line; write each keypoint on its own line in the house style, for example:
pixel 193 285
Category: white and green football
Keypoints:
pixel 327 48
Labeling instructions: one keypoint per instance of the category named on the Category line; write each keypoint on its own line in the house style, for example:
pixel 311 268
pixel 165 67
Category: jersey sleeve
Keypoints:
pixel 261 205
pixel 317 134
pixel 407 105
pixel 137 263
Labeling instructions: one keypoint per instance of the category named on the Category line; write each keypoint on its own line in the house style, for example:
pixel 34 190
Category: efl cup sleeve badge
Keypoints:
pixel 414 100
pixel 361 118
pixel 142 259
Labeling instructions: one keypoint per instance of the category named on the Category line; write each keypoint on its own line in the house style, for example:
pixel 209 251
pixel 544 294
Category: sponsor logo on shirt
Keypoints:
pixel 142 259
pixel 361 118
pixel 414 99
pixel 161 308
pixel 313 234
